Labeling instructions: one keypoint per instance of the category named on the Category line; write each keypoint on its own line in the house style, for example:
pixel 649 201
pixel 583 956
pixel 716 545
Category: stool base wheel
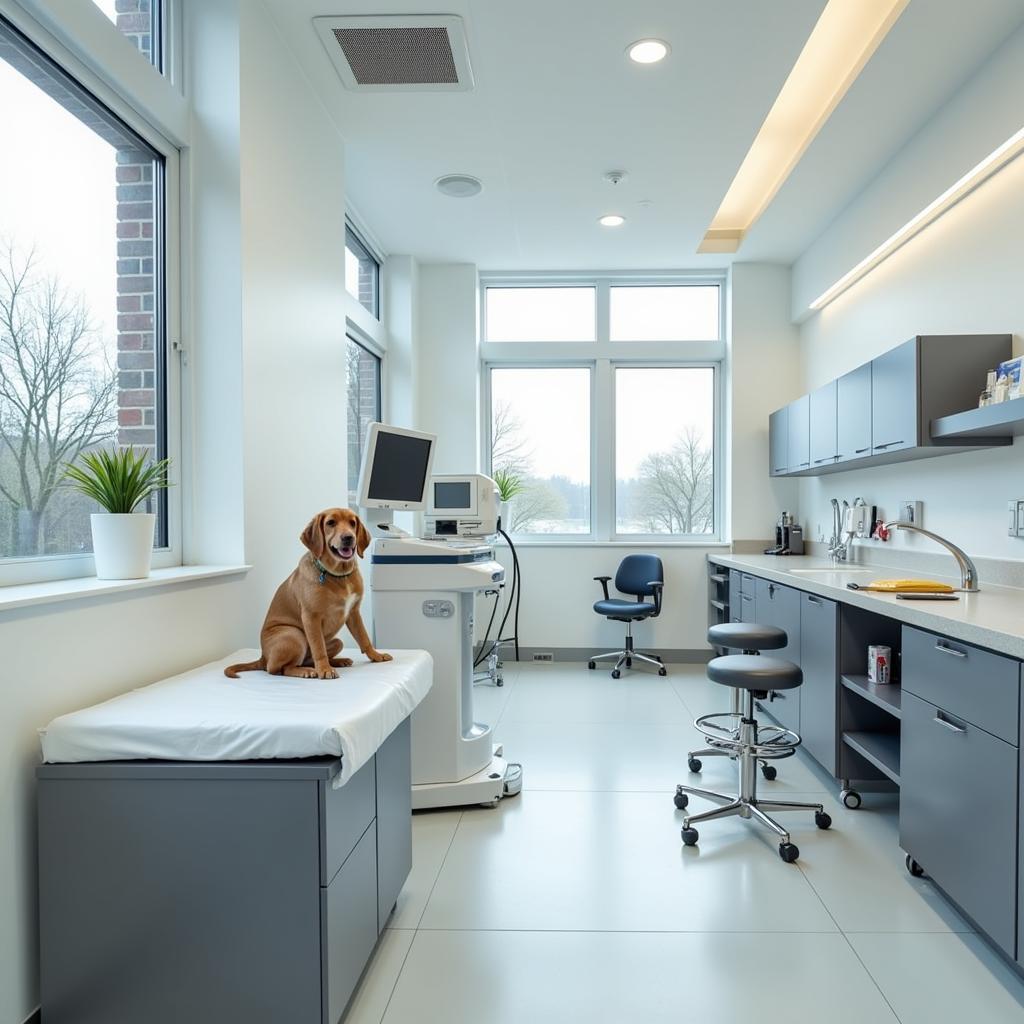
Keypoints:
pixel 789 852
pixel 690 836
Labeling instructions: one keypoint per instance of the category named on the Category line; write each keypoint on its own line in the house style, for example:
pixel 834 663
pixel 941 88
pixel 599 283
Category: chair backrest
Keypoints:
pixel 636 571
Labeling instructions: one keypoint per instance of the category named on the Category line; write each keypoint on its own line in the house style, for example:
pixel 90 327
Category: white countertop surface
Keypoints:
pixel 992 618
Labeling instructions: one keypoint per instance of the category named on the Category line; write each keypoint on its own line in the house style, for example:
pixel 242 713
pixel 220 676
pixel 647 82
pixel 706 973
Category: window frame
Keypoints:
pixel 169 206
pixel 359 337
pixel 604 356
pixel 358 237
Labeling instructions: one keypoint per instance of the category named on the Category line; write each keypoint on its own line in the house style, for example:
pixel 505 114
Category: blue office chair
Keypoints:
pixel 642 576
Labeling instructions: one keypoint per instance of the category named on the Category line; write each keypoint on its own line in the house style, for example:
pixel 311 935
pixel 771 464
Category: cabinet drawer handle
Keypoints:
pixel 827 459
pixel 949 650
pixel 888 444
pixel 747 597
pixel 861 451
pixel 813 600
pixel 952 727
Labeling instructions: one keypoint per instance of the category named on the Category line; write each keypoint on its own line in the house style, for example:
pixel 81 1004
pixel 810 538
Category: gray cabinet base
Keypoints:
pixel 176 891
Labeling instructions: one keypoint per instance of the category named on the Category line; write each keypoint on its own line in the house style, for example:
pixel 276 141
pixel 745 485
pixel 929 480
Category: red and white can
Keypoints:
pixel 879 664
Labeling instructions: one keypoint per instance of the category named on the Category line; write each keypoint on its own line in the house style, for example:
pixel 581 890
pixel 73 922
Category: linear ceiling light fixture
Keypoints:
pixel 841 43
pixel 997 159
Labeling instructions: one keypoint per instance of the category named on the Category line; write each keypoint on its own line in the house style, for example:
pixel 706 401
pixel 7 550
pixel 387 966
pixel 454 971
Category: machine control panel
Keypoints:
pixel 438 609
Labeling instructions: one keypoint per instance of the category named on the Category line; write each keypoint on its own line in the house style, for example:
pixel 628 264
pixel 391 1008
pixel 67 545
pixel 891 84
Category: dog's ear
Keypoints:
pixel 313 535
pixel 362 537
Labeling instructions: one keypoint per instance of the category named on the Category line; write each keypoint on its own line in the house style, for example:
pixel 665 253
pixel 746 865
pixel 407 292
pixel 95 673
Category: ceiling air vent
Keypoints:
pixel 398 53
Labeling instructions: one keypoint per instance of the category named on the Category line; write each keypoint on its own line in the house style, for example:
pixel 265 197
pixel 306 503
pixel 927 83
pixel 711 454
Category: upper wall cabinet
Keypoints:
pixel 799 442
pixel 881 412
pixel 853 414
pixel 823 421
pixel 778 441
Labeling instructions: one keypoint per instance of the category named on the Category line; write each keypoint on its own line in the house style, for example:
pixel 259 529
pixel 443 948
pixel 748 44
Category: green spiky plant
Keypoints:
pixel 508 484
pixel 119 480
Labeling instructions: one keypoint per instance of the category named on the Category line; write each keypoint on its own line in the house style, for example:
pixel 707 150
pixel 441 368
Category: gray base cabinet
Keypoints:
pixel 778 605
pixel 819 628
pixel 958 813
pixel 212 892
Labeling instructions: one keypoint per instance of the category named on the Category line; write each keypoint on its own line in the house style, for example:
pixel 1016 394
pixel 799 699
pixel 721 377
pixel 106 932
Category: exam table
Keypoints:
pixel 224 850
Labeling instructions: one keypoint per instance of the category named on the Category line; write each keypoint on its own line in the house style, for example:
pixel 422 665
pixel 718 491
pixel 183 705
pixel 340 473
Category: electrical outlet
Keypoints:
pixel 912 512
pixel 1020 518
pixel 1011 523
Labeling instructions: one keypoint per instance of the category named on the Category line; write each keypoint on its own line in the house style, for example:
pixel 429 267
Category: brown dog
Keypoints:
pixel 322 595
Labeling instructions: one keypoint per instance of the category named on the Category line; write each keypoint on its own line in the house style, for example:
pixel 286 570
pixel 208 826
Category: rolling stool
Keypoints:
pixel 749 638
pixel 753 676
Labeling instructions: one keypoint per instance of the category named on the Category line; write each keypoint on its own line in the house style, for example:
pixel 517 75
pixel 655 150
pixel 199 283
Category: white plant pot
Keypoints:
pixel 123 544
pixel 503 512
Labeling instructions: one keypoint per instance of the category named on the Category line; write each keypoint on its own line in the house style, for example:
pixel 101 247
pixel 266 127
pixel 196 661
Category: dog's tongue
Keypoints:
pixel 347 552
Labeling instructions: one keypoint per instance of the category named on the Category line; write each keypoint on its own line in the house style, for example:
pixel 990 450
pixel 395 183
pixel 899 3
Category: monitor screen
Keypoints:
pixel 400 465
pixel 454 494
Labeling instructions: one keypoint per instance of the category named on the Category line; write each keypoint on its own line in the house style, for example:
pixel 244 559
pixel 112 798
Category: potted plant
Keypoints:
pixel 509 485
pixel 120 480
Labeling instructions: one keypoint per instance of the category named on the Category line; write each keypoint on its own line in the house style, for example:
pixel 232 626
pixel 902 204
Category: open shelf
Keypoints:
pixel 888 696
pixel 994 422
pixel 718 577
pixel 722 606
pixel 882 749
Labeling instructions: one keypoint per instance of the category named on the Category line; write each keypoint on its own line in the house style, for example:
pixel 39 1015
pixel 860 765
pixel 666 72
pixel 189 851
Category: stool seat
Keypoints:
pixel 747 636
pixel 754 672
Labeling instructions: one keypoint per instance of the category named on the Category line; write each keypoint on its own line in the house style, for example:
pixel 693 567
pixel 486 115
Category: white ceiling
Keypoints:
pixel 557 104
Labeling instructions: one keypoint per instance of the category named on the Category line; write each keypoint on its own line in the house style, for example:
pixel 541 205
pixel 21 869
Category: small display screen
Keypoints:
pixel 452 494
pixel 399 470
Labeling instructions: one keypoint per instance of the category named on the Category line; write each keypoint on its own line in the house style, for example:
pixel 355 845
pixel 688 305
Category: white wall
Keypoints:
pixel 961 274
pixel 267 292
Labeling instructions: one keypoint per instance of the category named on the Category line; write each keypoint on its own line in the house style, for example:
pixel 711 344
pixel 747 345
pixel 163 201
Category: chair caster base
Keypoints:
pixel 851 799
pixel 690 836
pixel 681 800
pixel 695 765
pixel 789 852
pixel 616 673
pixel 914 868
pixel 822 819
pixel 662 671
pixel 769 771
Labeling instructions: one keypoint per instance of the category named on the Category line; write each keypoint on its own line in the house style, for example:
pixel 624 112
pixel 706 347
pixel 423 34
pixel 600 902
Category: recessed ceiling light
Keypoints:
pixel 648 51
pixel 612 220
pixel 459 186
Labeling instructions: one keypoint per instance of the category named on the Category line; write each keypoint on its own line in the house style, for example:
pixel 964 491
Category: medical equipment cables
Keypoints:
pixel 514 596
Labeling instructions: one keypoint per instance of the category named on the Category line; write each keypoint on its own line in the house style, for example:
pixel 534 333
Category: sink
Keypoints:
pixel 836 568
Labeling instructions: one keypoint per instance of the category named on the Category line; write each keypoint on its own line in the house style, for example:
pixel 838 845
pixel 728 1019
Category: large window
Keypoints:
pixel 603 403
pixel 540 440
pixel 362 272
pixel 364 369
pixel 664 450
pixel 82 300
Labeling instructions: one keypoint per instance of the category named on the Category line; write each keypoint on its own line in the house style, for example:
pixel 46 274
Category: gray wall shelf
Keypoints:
pixel 994 424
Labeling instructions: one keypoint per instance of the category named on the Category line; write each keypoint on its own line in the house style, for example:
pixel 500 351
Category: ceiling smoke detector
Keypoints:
pixel 459 186
pixel 398 53
pixel 615 177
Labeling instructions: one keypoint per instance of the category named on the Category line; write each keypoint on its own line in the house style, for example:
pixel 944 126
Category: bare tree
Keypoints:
pixel 509 449
pixel 538 501
pixel 676 493
pixel 58 393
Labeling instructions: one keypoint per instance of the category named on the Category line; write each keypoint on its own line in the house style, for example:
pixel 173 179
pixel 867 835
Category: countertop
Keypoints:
pixel 992 618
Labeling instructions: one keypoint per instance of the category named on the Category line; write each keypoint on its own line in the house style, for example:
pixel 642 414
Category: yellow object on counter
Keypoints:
pixel 910 586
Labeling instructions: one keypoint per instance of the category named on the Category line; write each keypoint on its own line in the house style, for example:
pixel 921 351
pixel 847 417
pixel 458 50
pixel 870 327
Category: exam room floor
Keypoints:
pixel 577 902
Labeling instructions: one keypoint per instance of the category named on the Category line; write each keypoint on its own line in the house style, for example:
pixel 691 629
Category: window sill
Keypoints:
pixel 25 595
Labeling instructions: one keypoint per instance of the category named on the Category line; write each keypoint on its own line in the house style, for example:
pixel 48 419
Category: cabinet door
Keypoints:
pixel 799 434
pixel 780 606
pixel 824 450
pixel 958 813
pixel 818 659
pixel 853 414
pixel 894 399
pixel 778 442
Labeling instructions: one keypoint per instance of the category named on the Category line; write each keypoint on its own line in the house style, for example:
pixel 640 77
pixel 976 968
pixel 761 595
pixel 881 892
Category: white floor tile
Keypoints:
pixel 432 833
pixel 594 978
pixel 942 979
pixel 571 693
pixel 614 861
pixel 862 879
pixel 371 997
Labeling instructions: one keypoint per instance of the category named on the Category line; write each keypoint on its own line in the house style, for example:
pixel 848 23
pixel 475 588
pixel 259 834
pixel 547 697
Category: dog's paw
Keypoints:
pixel 341 662
pixel 378 656
pixel 325 673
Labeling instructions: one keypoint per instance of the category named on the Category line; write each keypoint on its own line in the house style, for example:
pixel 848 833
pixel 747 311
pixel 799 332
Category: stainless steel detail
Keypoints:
pixel 968 570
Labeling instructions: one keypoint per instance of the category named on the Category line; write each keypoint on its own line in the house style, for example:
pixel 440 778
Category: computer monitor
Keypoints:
pixel 396 468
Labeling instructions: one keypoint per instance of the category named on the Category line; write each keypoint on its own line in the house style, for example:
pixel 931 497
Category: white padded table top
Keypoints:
pixel 201 715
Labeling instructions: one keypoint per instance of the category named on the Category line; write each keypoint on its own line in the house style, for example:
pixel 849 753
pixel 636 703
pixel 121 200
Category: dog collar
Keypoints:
pixel 325 572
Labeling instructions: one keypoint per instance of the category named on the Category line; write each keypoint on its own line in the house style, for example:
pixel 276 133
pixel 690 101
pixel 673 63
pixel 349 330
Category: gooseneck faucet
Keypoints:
pixel 968 570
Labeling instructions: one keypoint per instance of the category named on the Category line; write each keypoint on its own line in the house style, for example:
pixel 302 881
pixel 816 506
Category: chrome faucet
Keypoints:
pixel 838 545
pixel 968 570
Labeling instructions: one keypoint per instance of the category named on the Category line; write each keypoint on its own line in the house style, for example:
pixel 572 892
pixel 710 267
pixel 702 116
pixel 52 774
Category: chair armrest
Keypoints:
pixel 603 580
pixel 657 586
